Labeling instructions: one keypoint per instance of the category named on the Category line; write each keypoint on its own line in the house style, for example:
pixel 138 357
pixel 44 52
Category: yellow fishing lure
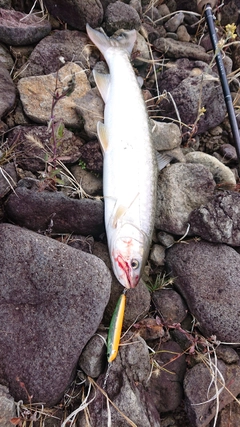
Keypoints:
pixel 115 328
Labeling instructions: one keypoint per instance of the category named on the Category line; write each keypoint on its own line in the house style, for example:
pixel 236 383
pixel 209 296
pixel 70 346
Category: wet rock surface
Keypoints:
pixel 57 296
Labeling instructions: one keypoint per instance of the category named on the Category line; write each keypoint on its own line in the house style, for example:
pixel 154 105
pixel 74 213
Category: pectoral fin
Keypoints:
pixel 103 83
pixel 140 81
pixel 163 160
pixel 121 210
pixel 102 136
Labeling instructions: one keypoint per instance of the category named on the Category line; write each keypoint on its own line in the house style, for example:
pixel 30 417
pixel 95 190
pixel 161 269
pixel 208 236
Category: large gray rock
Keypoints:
pixel 207 275
pixel 218 220
pixel 186 97
pixel 52 301
pixel 181 188
pixel 34 206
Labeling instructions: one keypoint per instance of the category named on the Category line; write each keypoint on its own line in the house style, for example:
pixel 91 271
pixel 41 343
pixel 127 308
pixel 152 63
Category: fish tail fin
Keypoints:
pixel 121 39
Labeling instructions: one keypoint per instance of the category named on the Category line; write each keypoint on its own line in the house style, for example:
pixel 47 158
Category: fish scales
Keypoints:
pixel 130 158
pixel 129 168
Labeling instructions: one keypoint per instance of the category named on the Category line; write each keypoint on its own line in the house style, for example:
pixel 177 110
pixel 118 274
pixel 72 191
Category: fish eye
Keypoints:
pixel 134 264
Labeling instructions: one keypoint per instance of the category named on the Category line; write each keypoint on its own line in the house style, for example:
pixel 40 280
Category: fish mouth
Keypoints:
pixel 130 282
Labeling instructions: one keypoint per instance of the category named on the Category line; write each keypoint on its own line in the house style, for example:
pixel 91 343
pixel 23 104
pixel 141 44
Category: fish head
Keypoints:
pixel 129 250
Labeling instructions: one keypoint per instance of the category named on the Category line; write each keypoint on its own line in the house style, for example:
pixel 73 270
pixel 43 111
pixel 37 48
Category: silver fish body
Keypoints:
pixel 130 169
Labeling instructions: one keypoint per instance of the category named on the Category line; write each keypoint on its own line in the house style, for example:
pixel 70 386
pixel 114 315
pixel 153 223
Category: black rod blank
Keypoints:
pixel 223 78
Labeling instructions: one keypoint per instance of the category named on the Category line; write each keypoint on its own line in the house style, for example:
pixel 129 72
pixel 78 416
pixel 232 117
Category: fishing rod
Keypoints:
pixel 221 70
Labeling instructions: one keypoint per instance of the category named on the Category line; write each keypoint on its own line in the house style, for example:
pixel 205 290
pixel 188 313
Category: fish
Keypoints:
pixel 129 159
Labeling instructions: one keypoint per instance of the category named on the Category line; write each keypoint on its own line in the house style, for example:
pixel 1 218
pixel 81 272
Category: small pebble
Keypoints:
pixel 216 131
pixel 157 255
pixel 173 23
pixel 228 152
pixel 227 354
pixel 165 239
pixel 182 34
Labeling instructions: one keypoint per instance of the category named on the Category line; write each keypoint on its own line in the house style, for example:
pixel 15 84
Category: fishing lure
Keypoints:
pixel 115 328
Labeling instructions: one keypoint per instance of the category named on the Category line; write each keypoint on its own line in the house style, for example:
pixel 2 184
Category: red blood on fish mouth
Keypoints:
pixel 125 267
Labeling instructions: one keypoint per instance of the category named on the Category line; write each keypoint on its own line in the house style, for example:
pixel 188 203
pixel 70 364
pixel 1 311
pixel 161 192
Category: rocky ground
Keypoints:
pixel 178 364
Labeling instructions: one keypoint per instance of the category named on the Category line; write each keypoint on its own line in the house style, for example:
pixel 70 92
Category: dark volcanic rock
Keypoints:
pixel 93 359
pixel 170 305
pixel 77 13
pixel 7 91
pixel 175 49
pixel 52 300
pixel 120 15
pixel 91 155
pixel 199 388
pixel 186 96
pixel 35 146
pixel 18 29
pixel 8 178
pixel 207 275
pixel 165 384
pixel 55 50
pixel 33 207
